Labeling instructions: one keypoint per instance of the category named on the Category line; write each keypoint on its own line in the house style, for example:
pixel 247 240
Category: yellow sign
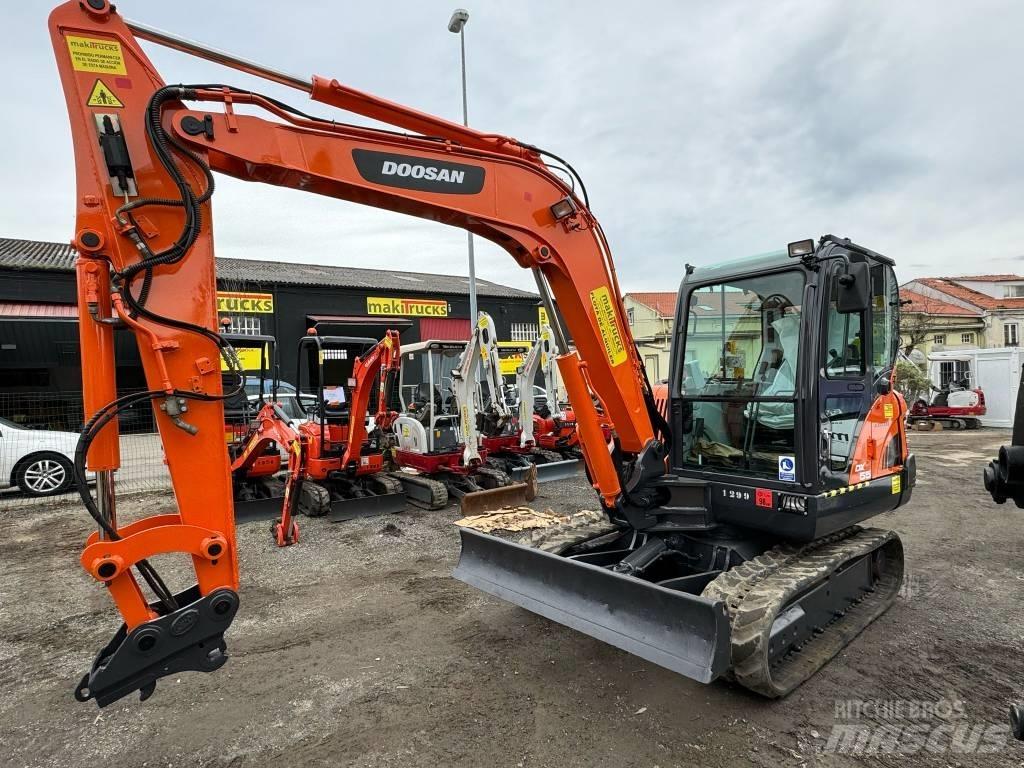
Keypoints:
pixel 887 411
pixel 375 305
pixel 604 313
pixel 542 316
pixel 511 355
pixel 249 303
pixel 896 484
pixel 93 54
pixel 102 96
pixel 251 358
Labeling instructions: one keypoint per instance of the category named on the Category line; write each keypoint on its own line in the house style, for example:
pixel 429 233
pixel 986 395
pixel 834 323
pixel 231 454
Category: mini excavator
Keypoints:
pixel 737 546
pixel 498 422
pixel 334 468
pixel 554 427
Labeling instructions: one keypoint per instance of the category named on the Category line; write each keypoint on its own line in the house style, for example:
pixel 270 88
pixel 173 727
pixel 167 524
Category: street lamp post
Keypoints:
pixel 457 25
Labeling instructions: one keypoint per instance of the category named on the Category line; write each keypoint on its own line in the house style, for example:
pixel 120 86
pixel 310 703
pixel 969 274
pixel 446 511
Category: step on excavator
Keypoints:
pixel 737 547
pixel 437 446
pixel 499 423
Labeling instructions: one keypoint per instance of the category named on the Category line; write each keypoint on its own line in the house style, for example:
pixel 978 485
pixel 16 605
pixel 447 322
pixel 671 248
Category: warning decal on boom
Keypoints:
pixel 90 54
pixel 102 96
pixel 604 313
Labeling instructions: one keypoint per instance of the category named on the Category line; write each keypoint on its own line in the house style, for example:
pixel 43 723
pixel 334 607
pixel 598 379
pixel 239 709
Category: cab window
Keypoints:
pixel 885 299
pixel 844 337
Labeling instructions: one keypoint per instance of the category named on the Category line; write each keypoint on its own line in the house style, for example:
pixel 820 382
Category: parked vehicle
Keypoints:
pixel 39 461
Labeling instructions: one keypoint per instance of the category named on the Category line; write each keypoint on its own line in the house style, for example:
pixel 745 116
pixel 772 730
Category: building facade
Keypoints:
pixel 651 316
pixel 39 320
pixel 994 304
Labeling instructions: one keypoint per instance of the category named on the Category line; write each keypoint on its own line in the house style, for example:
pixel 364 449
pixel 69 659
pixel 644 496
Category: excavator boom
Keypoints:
pixel 143 233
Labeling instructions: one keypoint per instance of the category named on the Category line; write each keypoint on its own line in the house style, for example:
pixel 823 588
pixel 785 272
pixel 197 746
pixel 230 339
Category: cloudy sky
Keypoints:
pixel 703 130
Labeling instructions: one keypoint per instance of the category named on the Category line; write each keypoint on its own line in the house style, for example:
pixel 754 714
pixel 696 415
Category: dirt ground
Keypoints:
pixel 356 647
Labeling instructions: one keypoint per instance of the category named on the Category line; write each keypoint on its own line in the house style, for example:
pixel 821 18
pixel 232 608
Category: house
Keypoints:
pixel 929 324
pixel 998 301
pixel 651 316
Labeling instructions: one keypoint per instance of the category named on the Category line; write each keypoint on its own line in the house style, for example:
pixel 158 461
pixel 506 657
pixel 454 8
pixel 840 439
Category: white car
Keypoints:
pixel 39 461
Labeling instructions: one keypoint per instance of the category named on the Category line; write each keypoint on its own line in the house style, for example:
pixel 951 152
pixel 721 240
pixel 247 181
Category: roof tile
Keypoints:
pixel 664 303
pixel 60 257
pixel 950 287
pixel 932 306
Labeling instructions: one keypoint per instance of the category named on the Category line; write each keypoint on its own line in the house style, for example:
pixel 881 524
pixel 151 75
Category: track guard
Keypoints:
pixel 681 632
pixel 190 639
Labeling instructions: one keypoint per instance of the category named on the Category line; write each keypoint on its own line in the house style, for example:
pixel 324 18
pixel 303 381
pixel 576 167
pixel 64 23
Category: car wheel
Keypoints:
pixel 44 474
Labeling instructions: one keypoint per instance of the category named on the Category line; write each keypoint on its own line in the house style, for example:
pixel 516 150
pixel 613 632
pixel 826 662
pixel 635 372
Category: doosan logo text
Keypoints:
pixel 428 172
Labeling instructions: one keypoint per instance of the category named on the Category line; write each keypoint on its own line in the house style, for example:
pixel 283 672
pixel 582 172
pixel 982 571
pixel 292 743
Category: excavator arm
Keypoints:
pixel 464 388
pixel 381 362
pixel 272 426
pixel 145 174
pixel 540 357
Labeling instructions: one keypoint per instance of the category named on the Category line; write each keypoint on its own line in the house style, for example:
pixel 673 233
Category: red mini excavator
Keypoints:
pixel 737 545
pixel 271 430
pixel 335 467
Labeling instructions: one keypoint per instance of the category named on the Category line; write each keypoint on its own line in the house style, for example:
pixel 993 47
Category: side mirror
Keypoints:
pixel 854 289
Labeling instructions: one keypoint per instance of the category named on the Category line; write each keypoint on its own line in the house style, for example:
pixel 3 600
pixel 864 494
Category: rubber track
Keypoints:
pixel 438 491
pixel 317 497
pixel 757 591
pixel 546 457
pixel 382 484
pixel 498 478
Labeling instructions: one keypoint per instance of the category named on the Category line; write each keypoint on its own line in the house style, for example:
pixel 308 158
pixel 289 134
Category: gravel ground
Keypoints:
pixel 357 648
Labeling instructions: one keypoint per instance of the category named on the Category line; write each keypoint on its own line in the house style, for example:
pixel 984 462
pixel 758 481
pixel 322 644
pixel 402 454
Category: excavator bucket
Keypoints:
pixel 549 471
pixel 681 632
pixel 366 506
pixel 514 495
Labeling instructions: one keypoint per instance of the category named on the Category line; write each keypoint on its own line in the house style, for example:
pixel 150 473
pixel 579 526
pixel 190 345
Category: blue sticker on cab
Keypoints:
pixel 787 468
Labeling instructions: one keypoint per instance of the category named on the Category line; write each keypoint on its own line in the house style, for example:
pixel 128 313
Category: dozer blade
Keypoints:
pixel 549 471
pixel 258 509
pixel 366 506
pixel 477 502
pixel 681 632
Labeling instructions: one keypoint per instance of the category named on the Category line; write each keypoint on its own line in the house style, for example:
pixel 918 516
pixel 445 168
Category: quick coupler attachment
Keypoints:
pixel 190 639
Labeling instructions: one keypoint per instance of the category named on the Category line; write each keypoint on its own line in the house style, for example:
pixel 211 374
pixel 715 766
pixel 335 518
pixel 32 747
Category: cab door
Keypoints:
pixel 857 410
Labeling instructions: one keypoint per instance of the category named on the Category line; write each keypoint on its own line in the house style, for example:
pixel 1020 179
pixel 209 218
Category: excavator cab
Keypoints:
pixel 325 382
pixel 257 354
pixel 430 417
pixel 778 373
pixel 784 432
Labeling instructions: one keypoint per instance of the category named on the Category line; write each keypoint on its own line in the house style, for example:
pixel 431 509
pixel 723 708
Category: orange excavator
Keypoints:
pixel 332 469
pixel 736 545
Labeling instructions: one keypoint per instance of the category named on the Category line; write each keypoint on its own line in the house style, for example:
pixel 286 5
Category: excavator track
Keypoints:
pixel 782 605
pixel 384 483
pixel 314 499
pixel 490 477
pixel 545 456
pixel 420 490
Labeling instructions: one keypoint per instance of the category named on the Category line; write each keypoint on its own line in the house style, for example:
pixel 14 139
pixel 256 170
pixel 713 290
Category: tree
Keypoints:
pixel 911 381
pixel 918 323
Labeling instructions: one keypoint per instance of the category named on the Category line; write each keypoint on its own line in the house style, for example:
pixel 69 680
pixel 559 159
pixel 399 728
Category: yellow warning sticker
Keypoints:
pixel 887 410
pixel 897 484
pixel 604 312
pixel 102 96
pixel 93 54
